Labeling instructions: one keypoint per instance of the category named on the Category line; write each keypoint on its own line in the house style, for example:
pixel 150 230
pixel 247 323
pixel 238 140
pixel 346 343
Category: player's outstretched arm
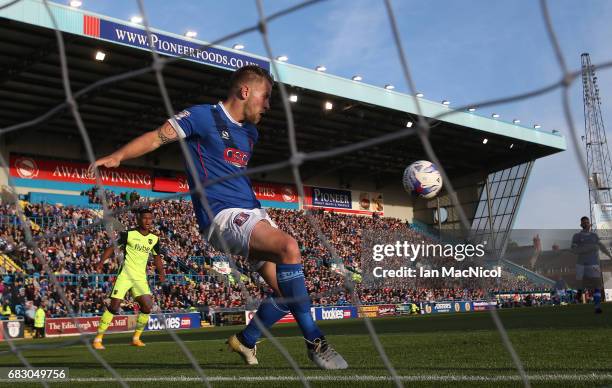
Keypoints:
pixel 604 249
pixel 141 145
pixel 159 265
pixel 105 255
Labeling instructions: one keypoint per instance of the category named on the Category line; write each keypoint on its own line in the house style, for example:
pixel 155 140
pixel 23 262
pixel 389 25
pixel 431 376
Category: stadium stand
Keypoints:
pixel 191 263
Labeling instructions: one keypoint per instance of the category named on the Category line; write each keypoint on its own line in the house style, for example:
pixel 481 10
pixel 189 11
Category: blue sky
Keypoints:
pixel 463 51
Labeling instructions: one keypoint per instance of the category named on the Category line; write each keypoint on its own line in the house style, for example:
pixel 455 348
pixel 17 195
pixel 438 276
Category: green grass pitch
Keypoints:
pixel 559 346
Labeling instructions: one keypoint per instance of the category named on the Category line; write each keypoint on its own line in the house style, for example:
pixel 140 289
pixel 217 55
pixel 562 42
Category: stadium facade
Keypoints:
pixel 47 159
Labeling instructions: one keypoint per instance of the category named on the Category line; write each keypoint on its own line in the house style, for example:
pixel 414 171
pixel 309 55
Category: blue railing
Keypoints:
pixel 46 221
pixel 64 199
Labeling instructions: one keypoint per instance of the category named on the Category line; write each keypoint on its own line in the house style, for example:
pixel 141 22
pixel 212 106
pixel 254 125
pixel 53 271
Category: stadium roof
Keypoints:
pixel 31 82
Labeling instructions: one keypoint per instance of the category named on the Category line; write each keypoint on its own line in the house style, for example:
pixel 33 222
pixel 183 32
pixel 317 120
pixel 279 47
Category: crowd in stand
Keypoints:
pixel 72 240
pixel 113 199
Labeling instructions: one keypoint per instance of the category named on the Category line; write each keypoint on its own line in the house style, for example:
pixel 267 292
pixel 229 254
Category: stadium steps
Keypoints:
pixel 520 270
pixel 8 264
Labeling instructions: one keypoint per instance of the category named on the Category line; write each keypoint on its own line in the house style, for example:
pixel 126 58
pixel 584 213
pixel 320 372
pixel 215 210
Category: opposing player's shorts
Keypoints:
pixel 235 226
pixel 588 271
pixel 125 283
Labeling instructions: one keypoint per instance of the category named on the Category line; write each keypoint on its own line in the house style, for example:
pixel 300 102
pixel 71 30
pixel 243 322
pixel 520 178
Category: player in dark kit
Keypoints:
pixel 220 139
pixel 586 245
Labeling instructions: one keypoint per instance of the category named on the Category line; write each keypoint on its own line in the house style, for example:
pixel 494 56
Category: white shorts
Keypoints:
pixel 235 225
pixel 588 271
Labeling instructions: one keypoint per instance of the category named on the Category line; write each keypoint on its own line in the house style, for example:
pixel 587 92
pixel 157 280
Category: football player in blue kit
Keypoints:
pixel 586 245
pixel 220 139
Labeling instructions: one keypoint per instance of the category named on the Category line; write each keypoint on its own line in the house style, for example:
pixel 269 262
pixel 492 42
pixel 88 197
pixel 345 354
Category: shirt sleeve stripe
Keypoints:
pixel 177 127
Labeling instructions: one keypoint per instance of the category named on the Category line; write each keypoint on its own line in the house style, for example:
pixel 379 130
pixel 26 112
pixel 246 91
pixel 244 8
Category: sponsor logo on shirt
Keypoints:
pixel 141 248
pixel 236 157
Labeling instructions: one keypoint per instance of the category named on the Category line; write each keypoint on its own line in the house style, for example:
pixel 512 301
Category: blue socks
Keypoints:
pixel 269 312
pixel 290 278
pixel 597 298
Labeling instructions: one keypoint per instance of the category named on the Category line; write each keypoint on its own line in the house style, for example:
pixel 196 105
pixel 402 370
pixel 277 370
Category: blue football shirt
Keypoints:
pixel 219 146
pixel 584 239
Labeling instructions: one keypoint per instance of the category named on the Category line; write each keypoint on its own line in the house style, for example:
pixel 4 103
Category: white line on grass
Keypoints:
pixel 445 378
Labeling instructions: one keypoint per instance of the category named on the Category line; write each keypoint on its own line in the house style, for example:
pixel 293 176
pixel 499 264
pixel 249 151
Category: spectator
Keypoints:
pixel 6 310
pixel 75 247
pixel 39 322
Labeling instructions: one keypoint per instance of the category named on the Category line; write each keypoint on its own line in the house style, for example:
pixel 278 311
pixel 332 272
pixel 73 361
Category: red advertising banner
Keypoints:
pixel 248 315
pixel 176 184
pixel 385 310
pixel 66 326
pixel 275 192
pixel 26 167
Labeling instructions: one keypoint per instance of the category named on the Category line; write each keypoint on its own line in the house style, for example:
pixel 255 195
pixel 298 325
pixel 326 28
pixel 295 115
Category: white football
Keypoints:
pixel 422 178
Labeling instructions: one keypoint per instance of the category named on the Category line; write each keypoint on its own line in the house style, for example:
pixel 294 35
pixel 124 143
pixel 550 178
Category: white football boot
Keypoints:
pixel 248 355
pixel 324 355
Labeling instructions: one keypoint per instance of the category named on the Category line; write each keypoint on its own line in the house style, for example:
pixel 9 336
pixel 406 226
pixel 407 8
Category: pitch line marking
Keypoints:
pixel 365 378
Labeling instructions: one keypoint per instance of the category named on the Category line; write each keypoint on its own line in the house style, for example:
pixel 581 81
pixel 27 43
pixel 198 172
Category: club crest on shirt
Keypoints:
pixel 225 134
pixel 241 218
pixel 150 241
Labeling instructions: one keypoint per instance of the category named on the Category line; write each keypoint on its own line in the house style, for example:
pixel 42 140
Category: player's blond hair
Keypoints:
pixel 248 74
